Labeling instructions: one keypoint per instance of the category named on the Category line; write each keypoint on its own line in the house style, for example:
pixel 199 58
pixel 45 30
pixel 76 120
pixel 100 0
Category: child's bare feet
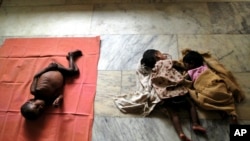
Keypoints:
pixel 199 128
pixel 183 137
pixel 74 54
pixel 233 119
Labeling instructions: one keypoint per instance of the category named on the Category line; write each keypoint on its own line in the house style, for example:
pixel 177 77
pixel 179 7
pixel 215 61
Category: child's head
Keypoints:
pixel 150 57
pixel 32 109
pixel 192 60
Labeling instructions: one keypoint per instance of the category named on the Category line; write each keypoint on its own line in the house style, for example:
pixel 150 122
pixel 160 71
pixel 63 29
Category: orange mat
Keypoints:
pixel 20 60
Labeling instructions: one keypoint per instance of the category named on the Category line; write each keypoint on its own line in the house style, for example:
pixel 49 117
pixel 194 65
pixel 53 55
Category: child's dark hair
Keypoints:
pixel 28 113
pixel 149 58
pixel 194 58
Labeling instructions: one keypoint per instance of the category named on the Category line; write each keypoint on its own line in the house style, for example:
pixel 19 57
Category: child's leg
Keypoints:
pixel 194 117
pixel 73 69
pixel 177 124
pixel 74 54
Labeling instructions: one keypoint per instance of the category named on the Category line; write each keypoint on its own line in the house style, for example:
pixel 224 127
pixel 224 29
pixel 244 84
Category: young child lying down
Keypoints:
pixel 170 87
pixel 214 87
pixel 47 86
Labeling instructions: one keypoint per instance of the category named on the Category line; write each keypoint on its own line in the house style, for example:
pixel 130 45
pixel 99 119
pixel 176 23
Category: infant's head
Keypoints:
pixel 192 60
pixel 150 57
pixel 32 109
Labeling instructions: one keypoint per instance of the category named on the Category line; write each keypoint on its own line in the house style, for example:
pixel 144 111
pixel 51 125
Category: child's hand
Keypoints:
pixel 57 101
pixel 186 75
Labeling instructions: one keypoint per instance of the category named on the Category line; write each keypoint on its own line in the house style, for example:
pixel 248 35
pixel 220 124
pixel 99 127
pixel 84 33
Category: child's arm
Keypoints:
pixel 33 86
pixel 187 77
pixel 58 100
pixel 178 66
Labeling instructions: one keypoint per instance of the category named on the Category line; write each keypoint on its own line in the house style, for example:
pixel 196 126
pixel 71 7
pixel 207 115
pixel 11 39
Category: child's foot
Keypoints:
pixel 183 137
pixel 199 128
pixel 74 54
pixel 233 119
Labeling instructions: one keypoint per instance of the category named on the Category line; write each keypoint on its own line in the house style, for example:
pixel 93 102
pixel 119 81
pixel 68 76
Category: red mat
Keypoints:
pixel 20 60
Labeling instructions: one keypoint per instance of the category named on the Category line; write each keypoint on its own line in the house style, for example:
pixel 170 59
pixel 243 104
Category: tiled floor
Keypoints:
pixel 129 27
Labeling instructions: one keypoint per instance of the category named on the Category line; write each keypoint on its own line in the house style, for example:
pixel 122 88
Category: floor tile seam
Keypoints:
pixel 178 36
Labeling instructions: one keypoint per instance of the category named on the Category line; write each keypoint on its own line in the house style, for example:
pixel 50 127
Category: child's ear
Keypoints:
pixel 142 61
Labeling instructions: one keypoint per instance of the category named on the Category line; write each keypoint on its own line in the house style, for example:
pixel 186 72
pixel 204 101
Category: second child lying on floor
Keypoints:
pixel 214 87
pixel 170 86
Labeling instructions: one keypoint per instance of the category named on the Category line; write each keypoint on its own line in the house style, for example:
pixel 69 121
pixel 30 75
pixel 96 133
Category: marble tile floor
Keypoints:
pixel 129 27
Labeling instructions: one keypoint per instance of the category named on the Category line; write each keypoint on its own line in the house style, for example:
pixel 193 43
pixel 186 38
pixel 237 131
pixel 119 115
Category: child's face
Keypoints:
pixel 36 105
pixel 160 56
